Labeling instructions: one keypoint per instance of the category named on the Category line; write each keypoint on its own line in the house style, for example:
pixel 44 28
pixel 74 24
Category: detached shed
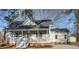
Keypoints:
pixel 72 39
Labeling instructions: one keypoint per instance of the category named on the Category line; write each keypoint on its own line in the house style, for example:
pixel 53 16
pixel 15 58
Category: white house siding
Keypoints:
pixel 33 38
pixel 60 36
pixel 39 38
pixel 45 37
pixel 11 38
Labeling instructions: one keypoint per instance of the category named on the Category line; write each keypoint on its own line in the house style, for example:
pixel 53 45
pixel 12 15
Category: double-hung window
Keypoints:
pixel 56 36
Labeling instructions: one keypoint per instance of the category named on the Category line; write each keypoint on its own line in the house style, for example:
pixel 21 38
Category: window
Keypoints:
pixel 55 36
pixel 65 36
pixel 18 33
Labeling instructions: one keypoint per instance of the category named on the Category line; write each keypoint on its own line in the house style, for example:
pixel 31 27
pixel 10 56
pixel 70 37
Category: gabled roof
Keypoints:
pixel 73 35
pixel 60 30
pixel 33 23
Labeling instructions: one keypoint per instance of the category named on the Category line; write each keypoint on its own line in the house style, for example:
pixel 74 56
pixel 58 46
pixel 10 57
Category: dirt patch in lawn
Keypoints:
pixel 40 45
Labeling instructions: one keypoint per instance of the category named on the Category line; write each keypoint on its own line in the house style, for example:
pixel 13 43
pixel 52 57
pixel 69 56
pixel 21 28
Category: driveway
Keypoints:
pixel 65 46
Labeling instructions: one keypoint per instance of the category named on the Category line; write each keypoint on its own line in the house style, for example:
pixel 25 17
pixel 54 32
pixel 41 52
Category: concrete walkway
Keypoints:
pixel 64 46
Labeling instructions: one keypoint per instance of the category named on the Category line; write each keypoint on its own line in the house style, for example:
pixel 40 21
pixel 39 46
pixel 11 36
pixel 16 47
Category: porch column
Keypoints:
pixel 15 37
pixel 13 32
pixel 47 35
pixel 49 32
pixel 22 32
pixel 38 35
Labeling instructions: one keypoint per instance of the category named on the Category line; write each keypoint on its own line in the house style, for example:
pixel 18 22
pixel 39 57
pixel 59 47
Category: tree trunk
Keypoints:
pixel 77 32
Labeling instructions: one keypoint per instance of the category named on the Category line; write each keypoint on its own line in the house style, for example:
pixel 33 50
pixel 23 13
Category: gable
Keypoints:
pixel 28 22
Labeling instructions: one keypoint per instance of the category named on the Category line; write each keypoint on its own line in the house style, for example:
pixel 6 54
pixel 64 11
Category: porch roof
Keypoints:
pixel 60 30
pixel 27 29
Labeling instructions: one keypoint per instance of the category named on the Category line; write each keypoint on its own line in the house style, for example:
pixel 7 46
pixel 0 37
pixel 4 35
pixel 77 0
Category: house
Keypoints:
pixel 28 30
pixel 20 33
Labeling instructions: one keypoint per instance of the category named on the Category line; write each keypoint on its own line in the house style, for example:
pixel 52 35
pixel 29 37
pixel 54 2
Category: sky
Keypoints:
pixel 67 22
pixel 64 21
pixel 3 22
